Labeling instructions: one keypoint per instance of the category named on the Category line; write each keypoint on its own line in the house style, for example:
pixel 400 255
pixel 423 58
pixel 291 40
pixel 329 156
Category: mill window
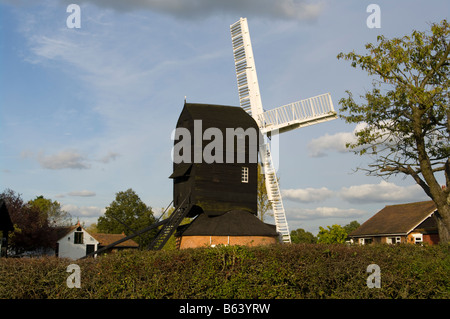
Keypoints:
pixel 244 175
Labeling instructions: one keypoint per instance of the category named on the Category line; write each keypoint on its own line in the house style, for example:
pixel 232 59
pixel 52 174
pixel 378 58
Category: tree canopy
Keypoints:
pixel 52 211
pixel 127 214
pixel 34 221
pixel 330 235
pixel 334 234
pixel 264 205
pixel 405 118
pixel 302 236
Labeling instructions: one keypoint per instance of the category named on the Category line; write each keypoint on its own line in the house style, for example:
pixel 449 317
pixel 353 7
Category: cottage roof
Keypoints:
pixel 62 231
pixel 106 239
pixel 232 223
pixel 396 219
pixel 103 239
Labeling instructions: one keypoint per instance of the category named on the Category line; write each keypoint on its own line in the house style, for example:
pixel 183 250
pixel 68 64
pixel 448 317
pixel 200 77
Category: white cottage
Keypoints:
pixel 75 242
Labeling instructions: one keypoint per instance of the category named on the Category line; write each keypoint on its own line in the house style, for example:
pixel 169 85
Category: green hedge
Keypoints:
pixel 277 271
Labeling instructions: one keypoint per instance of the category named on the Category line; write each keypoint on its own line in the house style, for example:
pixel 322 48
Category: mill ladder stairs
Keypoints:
pixel 274 194
pixel 170 226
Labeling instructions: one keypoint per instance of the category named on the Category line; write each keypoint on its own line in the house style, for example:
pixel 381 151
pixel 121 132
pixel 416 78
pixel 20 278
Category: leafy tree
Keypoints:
pixel 127 214
pixel 51 211
pixel 92 229
pixel 32 229
pixel 301 236
pixel 407 114
pixel 351 226
pixel 334 234
pixel 264 205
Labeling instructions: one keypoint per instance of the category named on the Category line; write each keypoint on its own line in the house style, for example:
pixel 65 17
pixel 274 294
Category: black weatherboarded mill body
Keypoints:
pixel 215 175
pixel 230 180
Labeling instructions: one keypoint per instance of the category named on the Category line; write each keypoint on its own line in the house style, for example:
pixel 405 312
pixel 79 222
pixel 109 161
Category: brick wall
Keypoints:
pixel 431 239
pixel 207 241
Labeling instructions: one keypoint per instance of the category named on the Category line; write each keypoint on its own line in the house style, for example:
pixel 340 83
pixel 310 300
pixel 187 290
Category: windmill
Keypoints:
pixel 285 118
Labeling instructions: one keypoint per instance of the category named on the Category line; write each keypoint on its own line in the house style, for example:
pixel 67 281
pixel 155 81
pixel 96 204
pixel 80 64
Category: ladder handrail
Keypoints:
pixel 274 194
pixel 168 228
pixel 139 232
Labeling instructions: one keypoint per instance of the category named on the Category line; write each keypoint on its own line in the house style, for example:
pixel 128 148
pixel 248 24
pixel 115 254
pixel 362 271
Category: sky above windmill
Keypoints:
pixel 87 112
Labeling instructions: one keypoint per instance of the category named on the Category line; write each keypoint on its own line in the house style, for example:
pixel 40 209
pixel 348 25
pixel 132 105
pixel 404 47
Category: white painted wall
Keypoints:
pixel 68 248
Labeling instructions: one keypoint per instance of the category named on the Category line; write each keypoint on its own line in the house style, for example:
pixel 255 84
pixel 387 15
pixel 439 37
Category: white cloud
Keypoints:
pixel 111 156
pixel 84 211
pixel 83 193
pixel 384 192
pixel 318 147
pixel 64 159
pixel 307 195
pixel 323 212
pixel 71 159
pixel 120 73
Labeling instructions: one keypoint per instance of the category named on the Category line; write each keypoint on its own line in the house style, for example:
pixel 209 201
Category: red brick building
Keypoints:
pixel 405 223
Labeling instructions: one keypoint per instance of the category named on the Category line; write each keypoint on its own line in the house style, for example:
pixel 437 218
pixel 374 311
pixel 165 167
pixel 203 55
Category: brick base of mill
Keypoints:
pixel 235 227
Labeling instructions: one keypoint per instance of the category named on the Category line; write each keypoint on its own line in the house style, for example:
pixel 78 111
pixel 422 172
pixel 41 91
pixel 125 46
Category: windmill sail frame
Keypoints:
pixel 284 118
pixel 248 87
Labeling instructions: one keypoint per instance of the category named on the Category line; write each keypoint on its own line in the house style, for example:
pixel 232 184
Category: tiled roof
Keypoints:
pixel 62 231
pixel 396 219
pixel 103 239
pixel 106 239
pixel 232 223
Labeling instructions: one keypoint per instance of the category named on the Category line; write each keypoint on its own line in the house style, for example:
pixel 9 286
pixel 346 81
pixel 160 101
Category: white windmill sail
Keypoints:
pixel 248 88
pixel 284 118
pixel 306 112
pixel 250 101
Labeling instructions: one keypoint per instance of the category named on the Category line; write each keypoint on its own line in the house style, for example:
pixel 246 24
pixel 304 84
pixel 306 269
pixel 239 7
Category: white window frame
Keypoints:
pixel 394 240
pixel 244 174
pixel 365 240
pixel 418 238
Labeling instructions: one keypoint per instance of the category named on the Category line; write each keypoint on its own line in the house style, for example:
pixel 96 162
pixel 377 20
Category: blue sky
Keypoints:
pixel 88 112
